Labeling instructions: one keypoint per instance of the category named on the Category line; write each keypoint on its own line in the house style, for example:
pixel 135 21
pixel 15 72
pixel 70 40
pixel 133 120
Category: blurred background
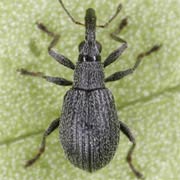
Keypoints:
pixel 147 101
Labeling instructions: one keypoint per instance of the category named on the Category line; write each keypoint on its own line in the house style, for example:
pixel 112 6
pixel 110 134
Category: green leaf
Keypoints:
pixel 148 101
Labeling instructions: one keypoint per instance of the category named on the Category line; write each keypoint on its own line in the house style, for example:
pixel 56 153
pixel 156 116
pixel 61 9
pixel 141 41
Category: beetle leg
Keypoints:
pixel 54 125
pixel 121 26
pixel 117 38
pixel 125 129
pixel 115 55
pixel 58 57
pixel 58 81
pixel 119 75
pixel 55 80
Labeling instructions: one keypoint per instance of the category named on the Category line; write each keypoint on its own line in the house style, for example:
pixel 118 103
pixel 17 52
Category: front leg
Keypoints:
pixel 119 75
pixel 122 25
pixel 115 55
pixel 58 57
pixel 55 80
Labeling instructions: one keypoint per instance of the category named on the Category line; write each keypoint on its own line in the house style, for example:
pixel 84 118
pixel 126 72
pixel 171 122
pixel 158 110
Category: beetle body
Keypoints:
pixel 89 127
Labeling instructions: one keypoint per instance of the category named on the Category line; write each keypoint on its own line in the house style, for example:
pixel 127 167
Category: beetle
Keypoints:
pixel 89 128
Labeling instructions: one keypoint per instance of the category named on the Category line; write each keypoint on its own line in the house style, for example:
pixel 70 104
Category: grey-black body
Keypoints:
pixel 89 126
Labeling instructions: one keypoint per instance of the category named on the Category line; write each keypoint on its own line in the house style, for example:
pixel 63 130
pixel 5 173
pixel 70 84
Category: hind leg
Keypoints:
pixel 54 125
pixel 125 129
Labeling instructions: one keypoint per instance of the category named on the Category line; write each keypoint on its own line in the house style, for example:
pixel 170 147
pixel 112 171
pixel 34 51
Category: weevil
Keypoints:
pixel 89 128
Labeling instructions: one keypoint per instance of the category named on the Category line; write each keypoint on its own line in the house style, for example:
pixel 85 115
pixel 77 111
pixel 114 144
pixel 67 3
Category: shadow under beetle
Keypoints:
pixel 89 127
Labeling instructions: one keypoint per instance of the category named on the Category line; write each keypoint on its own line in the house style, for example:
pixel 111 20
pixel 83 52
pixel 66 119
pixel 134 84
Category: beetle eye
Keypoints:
pixel 99 46
pixel 81 45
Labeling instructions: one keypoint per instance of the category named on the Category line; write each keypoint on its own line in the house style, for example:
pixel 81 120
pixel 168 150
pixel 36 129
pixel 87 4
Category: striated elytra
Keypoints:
pixel 89 127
